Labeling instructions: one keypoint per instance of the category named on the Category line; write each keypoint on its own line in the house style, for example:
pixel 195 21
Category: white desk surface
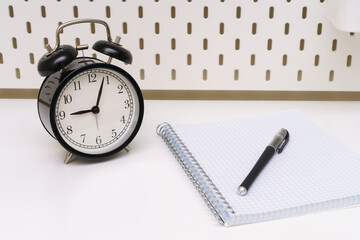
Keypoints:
pixel 144 193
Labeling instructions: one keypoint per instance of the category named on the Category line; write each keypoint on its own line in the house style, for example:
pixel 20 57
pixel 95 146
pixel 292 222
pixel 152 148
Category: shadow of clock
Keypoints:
pixel 78 160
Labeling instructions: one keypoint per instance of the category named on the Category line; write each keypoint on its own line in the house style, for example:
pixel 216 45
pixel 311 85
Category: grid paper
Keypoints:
pixel 313 173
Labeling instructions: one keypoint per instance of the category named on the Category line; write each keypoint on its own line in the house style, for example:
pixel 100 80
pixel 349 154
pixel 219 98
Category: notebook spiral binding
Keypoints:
pixel 208 191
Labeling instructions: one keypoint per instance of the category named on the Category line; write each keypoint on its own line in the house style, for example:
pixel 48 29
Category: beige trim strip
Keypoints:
pixel 19 93
pixel 249 95
pixel 215 95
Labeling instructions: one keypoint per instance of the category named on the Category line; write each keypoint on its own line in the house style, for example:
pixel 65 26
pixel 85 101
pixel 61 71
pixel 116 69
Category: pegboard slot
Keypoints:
pixel 32 58
pixel 173 12
pixel 331 75
pixel 319 29
pixel 237 44
pixel 189 28
pixel 221 59
pixel 269 44
pixel 157 59
pixel 205 44
pixel 267 75
pixel 334 45
pixel 304 12
pixel 189 59
pixel 253 28
pixel 142 74
pixel 222 28
pixel 157 28
pixel 348 60
pixel 271 12
pixel 108 12
pixel 205 74
pixel 173 43
pixel 76 12
pixel 302 44
pixel 236 74
pixel 62 30
pixel 299 75
pixel 206 12
pixel 17 73
pixel 11 11
pixel 287 29
pixel 141 43
pixel 14 43
pixel 317 60
pixel 125 28
pixel 43 11
pixel 238 12
pixel 252 60
pixel 28 27
pixel 173 74
pixel 92 28
pixel 284 60
pixel 140 11
pixel 1 58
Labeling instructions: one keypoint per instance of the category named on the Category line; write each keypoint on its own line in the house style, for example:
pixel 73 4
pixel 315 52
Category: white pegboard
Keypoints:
pixel 193 44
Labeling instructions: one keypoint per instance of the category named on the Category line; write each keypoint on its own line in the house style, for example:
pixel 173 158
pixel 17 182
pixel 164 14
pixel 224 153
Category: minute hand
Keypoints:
pixel 99 94
pixel 81 112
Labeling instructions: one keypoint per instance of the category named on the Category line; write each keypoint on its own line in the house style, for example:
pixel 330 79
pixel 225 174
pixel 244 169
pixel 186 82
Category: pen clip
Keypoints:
pixel 284 142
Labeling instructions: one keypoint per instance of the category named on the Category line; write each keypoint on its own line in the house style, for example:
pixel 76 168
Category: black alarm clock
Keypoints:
pixel 92 108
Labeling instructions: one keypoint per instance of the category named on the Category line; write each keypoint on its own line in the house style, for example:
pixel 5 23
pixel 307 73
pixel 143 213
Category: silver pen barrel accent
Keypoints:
pixel 280 139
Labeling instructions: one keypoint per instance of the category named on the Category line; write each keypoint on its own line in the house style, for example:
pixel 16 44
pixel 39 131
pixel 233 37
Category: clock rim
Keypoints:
pixel 68 78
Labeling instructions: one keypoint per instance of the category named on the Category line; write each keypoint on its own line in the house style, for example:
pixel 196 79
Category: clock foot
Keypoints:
pixel 68 157
pixel 127 148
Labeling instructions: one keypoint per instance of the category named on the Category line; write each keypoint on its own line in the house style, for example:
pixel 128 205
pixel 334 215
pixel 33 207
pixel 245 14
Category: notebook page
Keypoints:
pixel 313 169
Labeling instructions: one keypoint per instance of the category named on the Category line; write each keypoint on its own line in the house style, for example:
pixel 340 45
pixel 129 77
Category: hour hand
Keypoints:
pixel 81 112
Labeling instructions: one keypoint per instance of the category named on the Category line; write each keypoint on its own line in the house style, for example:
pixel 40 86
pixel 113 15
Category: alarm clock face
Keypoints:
pixel 97 110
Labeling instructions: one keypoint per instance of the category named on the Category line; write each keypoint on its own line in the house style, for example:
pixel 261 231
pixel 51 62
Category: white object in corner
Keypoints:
pixel 344 14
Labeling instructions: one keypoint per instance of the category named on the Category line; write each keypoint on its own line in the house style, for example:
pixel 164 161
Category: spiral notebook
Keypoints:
pixel 314 172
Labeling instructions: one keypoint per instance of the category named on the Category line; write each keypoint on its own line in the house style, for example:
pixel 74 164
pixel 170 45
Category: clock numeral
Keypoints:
pixel 127 104
pixel 106 78
pixel 62 115
pixel 113 133
pixel 83 137
pixel 98 140
pixel 122 119
pixel 69 130
pixel 92 77
pixel 67 99
pixel 77 85
pixel 120 87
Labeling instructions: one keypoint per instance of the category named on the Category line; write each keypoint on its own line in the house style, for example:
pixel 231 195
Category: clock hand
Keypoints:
pixel 97 124
pixel 94 110
pixel 81 112
pixel 99 94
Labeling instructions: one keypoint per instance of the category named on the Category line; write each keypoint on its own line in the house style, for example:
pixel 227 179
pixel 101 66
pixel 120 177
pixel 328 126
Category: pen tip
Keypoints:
pixel 242 191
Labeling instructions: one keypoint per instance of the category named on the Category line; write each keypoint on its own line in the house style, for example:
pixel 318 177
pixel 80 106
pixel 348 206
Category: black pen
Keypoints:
pixel 277 144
